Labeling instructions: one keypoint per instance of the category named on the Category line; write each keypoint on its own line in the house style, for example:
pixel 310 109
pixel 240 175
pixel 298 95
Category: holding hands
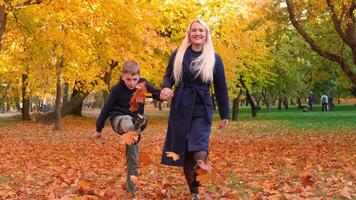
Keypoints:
pixel 166 93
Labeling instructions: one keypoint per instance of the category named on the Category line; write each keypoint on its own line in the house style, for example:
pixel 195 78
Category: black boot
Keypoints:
pixel 141 123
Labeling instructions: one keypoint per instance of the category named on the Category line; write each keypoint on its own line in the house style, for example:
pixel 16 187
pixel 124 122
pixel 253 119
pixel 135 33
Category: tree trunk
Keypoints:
pixel 8 104
pixel 57 110
pixel 3 19
pixel 107 78
pixel 25 99
pixel 236 106
pixel 279 103
pixel 299 102
pixel 65 93
pixel 66 109
pixel 266 100
pixel 285 103
pixel 17 102
pixel 2 106
pixel 249 98
pixel 77 110
pixel 252 103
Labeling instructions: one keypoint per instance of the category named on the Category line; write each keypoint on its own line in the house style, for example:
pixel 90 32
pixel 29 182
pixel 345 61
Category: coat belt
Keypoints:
pixel 198 90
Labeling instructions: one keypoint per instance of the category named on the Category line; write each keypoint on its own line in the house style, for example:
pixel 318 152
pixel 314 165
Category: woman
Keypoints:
pixel 192 68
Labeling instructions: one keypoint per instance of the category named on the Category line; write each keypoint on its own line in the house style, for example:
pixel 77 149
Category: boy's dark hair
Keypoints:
pixel 130 67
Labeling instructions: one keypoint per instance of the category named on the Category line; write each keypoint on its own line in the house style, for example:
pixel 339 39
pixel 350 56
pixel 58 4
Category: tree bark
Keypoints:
pixel 65 93
pixel 107 78
pixel 348 36
pixel 25 99
pixel 285 103
pixel 299 103
pixel 236 107
pixel 17 102
pixel 2 106
pixel 249 98
pixel 3 20
pixel 279 103
pixel 8 104
pixel 77 110
pixel 57 110
pixel 266 100
pixel 66 109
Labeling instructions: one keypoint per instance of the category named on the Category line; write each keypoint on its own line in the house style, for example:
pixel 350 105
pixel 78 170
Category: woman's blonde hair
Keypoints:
pixel 204 64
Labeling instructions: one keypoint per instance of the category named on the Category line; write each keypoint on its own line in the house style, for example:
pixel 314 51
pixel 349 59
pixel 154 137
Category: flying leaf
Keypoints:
pixel 204 174
pixel 173 155
pixel 204 166
pixel 130 137
pixel 134 179
pixel 139 96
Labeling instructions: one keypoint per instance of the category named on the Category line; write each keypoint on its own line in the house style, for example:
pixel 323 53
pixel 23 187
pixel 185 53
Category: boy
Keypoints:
pixel 122 119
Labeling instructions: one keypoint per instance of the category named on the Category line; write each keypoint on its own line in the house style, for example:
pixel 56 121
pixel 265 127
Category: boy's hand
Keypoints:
pixel 166 93
pixel 96 135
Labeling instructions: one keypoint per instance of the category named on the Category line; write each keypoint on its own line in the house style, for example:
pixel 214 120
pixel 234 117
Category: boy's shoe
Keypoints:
pixel 131 195
pixel 195 196
pixel 141 123
pixel 138 139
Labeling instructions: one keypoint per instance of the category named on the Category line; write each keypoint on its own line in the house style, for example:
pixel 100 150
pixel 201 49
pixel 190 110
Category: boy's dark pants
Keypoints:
pixel 121 125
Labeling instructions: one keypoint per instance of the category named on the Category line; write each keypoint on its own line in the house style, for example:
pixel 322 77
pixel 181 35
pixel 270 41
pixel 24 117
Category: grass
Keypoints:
pixel 343 117
pixel 8 121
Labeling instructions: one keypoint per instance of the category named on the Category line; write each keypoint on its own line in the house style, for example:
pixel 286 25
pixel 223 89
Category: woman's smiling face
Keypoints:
pixel 197 35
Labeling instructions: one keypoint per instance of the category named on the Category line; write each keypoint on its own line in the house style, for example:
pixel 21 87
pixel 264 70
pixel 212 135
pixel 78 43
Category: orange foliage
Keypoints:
pixel 37 163
pixel 172 155
pixel 139 96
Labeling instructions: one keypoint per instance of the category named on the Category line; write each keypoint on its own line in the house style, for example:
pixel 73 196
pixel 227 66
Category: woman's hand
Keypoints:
pixel 166 93
pixel 223 124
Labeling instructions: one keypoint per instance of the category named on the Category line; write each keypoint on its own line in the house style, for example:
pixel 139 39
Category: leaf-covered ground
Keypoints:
pixel 249 160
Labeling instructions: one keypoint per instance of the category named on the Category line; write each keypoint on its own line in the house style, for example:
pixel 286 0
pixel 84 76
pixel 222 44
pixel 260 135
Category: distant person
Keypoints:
pixel 331 102
pixel 311 100
pixel 324 102
pixel 122 119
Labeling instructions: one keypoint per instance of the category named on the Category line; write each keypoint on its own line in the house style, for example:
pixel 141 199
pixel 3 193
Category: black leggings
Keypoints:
pixel 190 165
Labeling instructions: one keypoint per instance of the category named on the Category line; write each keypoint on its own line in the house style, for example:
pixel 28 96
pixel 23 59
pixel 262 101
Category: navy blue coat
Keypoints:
pixel 190 116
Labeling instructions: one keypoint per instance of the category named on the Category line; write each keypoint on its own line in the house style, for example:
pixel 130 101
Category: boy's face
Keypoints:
pixel 130 80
